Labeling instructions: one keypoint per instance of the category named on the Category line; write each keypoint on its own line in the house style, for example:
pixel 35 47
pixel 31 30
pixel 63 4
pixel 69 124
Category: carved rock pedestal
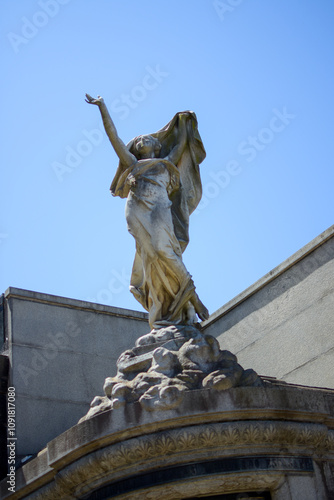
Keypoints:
pixel 167 362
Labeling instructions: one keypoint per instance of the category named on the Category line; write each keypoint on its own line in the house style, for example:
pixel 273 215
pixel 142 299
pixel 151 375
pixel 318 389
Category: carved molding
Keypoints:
pixel 213 485
pixel 176 446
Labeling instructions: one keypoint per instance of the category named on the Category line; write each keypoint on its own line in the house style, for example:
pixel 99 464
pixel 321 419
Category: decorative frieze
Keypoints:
pixel 283 446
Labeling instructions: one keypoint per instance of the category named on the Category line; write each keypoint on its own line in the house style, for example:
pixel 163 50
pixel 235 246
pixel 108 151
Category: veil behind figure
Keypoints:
pixel 185 199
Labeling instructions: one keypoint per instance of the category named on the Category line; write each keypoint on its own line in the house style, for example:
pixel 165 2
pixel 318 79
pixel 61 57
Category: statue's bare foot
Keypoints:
pixel 200 308
pixel 191 314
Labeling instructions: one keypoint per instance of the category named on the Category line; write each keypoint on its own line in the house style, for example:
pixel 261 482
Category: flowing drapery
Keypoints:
pixel 160 222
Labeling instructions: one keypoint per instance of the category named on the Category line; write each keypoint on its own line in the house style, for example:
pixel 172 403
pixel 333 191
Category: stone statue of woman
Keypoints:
pixel 159 176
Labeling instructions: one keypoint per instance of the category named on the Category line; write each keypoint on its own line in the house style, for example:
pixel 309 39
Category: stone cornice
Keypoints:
pixel 55 300
pixel 188 444
pixel 208 425
pixel 272 275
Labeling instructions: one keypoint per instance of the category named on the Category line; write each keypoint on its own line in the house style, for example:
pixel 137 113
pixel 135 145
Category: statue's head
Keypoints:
pixel 147 146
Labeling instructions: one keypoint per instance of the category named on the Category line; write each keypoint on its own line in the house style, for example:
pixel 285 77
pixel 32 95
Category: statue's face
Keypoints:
pixel 145 146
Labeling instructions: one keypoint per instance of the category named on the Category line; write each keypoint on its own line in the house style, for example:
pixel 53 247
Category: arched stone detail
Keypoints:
pixel 174 447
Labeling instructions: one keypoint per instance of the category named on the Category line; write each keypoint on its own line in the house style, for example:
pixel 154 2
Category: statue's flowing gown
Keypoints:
pixel 160 197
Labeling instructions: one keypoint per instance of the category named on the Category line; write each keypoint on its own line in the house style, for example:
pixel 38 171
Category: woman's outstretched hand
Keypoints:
pixel 97 101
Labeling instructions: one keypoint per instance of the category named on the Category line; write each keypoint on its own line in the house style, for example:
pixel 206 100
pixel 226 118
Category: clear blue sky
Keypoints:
pixel 260 76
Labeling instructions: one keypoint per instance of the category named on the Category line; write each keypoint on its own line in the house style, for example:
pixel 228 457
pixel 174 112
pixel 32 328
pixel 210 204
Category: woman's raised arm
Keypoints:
pixel 178 149
pixel 120 148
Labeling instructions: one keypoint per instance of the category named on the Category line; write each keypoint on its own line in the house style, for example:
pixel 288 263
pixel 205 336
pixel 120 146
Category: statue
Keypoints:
pixel 159 176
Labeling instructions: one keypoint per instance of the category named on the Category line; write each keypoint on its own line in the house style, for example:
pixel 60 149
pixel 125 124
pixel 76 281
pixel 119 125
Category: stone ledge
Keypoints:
pixel 192 444
pixel 250 420
pixel 273 274
pixel 55 300
pixel 198 406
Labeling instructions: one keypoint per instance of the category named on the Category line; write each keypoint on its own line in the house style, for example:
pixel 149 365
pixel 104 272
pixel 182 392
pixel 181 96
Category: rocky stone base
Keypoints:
pixel 167 362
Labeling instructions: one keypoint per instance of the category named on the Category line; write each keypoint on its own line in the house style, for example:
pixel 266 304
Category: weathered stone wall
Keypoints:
pixel 60 352
pixel 282 326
